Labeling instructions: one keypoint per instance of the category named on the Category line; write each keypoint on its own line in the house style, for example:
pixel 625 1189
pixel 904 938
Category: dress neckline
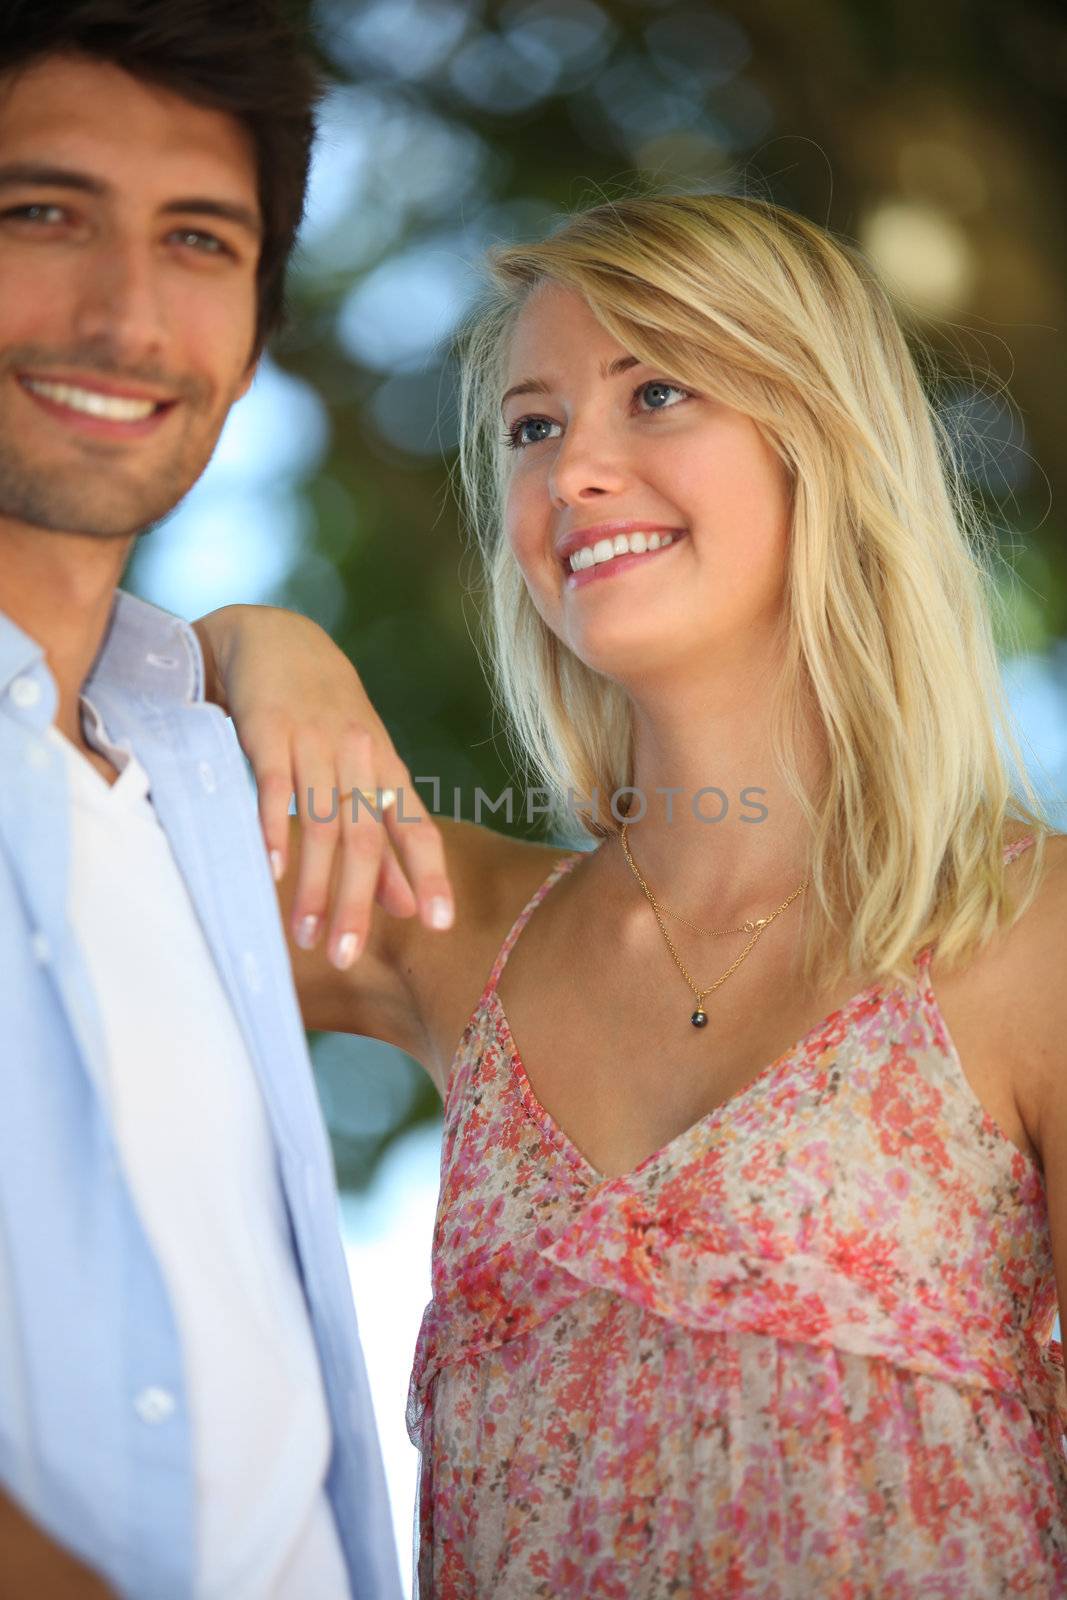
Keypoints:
pixel 563 1141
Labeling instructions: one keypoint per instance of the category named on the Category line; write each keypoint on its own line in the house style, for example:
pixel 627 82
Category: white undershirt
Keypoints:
pixel 197 1151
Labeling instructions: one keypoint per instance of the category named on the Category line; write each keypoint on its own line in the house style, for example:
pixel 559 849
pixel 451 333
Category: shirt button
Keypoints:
pixel 25 692
pixel 41 948
pixel 252 973
pixel 37 757
pixel 154 1405
pixel 207 777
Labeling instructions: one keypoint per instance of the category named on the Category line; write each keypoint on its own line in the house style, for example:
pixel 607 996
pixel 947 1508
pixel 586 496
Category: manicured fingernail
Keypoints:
pixel 440 912
pixel 347 950
pixel 277 865
pixel 306 932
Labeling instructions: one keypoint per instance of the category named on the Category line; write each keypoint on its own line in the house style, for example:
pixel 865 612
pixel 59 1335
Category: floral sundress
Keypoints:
pixel 803 1352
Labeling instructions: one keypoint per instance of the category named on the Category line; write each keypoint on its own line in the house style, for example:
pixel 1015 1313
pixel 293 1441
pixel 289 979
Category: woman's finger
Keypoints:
pixel 318 808
pixel 361 840
pixel 420 848
pixel 393 892
pixel 264 740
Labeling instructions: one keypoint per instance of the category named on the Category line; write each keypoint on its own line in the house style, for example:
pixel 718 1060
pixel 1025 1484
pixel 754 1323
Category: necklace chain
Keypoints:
pixel 756 928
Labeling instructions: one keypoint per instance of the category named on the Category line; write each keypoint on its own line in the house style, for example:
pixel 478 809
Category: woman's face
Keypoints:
pixel 607 448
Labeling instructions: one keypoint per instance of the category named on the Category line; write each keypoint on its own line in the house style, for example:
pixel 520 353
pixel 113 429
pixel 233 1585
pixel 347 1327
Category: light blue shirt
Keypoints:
pixel 88 1337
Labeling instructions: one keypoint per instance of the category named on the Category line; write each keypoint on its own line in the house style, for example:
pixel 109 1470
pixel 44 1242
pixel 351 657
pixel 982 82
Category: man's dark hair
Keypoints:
pixel 245 57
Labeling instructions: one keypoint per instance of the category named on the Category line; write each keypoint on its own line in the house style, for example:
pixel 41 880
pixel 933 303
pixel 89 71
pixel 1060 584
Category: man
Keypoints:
pixel 183 1405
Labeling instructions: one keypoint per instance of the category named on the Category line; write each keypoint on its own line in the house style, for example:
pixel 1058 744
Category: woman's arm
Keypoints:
pixel 1040 938
pixel 413 987
pixel 305 723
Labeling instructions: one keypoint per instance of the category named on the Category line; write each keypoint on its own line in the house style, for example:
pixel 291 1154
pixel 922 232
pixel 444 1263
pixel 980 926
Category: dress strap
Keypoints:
pixel 562 866
pixel 925 955
pixel 1016 849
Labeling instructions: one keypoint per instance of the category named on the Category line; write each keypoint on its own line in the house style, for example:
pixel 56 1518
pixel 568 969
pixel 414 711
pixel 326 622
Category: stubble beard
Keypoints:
pixel 98 495
pixel 97 500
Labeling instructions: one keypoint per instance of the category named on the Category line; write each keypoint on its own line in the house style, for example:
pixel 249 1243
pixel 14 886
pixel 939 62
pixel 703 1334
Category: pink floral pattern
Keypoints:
pixel 804 1352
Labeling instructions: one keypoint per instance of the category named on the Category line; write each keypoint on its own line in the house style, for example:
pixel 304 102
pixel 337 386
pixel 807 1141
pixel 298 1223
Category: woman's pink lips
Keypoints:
pixel 607 569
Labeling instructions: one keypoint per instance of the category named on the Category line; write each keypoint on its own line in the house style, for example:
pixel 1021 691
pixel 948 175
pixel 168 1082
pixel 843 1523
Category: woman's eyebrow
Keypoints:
pixel 609 369
pixel 527 386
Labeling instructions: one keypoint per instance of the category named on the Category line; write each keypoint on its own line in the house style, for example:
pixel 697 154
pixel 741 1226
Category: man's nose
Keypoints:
pixel 119 306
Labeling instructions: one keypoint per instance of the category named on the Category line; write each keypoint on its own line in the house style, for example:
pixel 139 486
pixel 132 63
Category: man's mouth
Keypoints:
pixel 109 411
pixel 91 402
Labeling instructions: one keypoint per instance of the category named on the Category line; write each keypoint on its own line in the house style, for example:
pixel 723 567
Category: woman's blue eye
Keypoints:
pixel 657 395
pixel 539 429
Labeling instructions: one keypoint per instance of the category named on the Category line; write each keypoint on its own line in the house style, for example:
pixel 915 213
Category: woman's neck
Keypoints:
pixel 719 832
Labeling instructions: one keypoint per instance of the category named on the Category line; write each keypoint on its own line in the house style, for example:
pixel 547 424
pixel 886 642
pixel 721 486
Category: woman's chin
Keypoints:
pixel 627 654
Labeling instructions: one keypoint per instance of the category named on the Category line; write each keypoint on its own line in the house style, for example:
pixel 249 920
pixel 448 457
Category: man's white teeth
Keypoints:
pixel 591 555
pixel 114 407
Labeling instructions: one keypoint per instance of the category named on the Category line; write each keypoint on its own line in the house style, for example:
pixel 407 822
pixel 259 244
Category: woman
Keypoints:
pixel 743 1275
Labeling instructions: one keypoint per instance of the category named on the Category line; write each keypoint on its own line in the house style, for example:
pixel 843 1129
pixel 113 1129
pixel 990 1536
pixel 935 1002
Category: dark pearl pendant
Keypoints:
pixel 699 1018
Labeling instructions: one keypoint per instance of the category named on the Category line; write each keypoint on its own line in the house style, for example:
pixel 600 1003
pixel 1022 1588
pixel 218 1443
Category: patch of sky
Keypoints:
pixel 505 73
pixel 397 317
pixel 509 220
pixel 382 165
pixel 1036 686
pixel 237 534
pixel 575 34
pixel 639 103
pixel 225 547
pixel 415 412
pixel 387 1234
pixel 409 39
pixel 366 1087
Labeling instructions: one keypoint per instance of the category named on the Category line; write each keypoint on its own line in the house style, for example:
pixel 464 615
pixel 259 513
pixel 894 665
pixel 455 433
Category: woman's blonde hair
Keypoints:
pixel 891 594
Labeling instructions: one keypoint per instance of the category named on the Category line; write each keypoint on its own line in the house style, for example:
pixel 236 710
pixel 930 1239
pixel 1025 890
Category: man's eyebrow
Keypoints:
pixel 609 369
pixel 225 210
pixel 13 174
pixel 20 174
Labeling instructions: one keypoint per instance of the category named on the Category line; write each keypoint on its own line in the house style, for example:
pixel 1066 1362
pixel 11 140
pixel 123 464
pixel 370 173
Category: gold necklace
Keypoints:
pixel 699 1017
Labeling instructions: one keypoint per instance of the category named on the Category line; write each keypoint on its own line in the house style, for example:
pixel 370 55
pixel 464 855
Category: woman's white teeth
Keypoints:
pixel 623 544
pixel 114 407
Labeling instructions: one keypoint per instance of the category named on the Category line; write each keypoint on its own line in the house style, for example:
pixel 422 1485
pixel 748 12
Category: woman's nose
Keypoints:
pixel 587 465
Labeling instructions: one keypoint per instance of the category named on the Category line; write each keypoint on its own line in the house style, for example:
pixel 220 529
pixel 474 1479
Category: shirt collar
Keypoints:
pixel 150 650
pixel 18 653
pixel 145 650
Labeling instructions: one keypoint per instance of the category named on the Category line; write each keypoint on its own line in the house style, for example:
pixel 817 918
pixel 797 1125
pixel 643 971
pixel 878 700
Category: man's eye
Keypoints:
pixel 208 244
pixel 36 211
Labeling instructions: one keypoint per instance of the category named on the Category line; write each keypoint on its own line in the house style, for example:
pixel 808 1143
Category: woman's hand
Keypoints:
pixel 305 723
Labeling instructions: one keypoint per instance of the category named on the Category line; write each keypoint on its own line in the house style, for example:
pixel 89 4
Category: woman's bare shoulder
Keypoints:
pixel 493 877
pixel 1028 964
